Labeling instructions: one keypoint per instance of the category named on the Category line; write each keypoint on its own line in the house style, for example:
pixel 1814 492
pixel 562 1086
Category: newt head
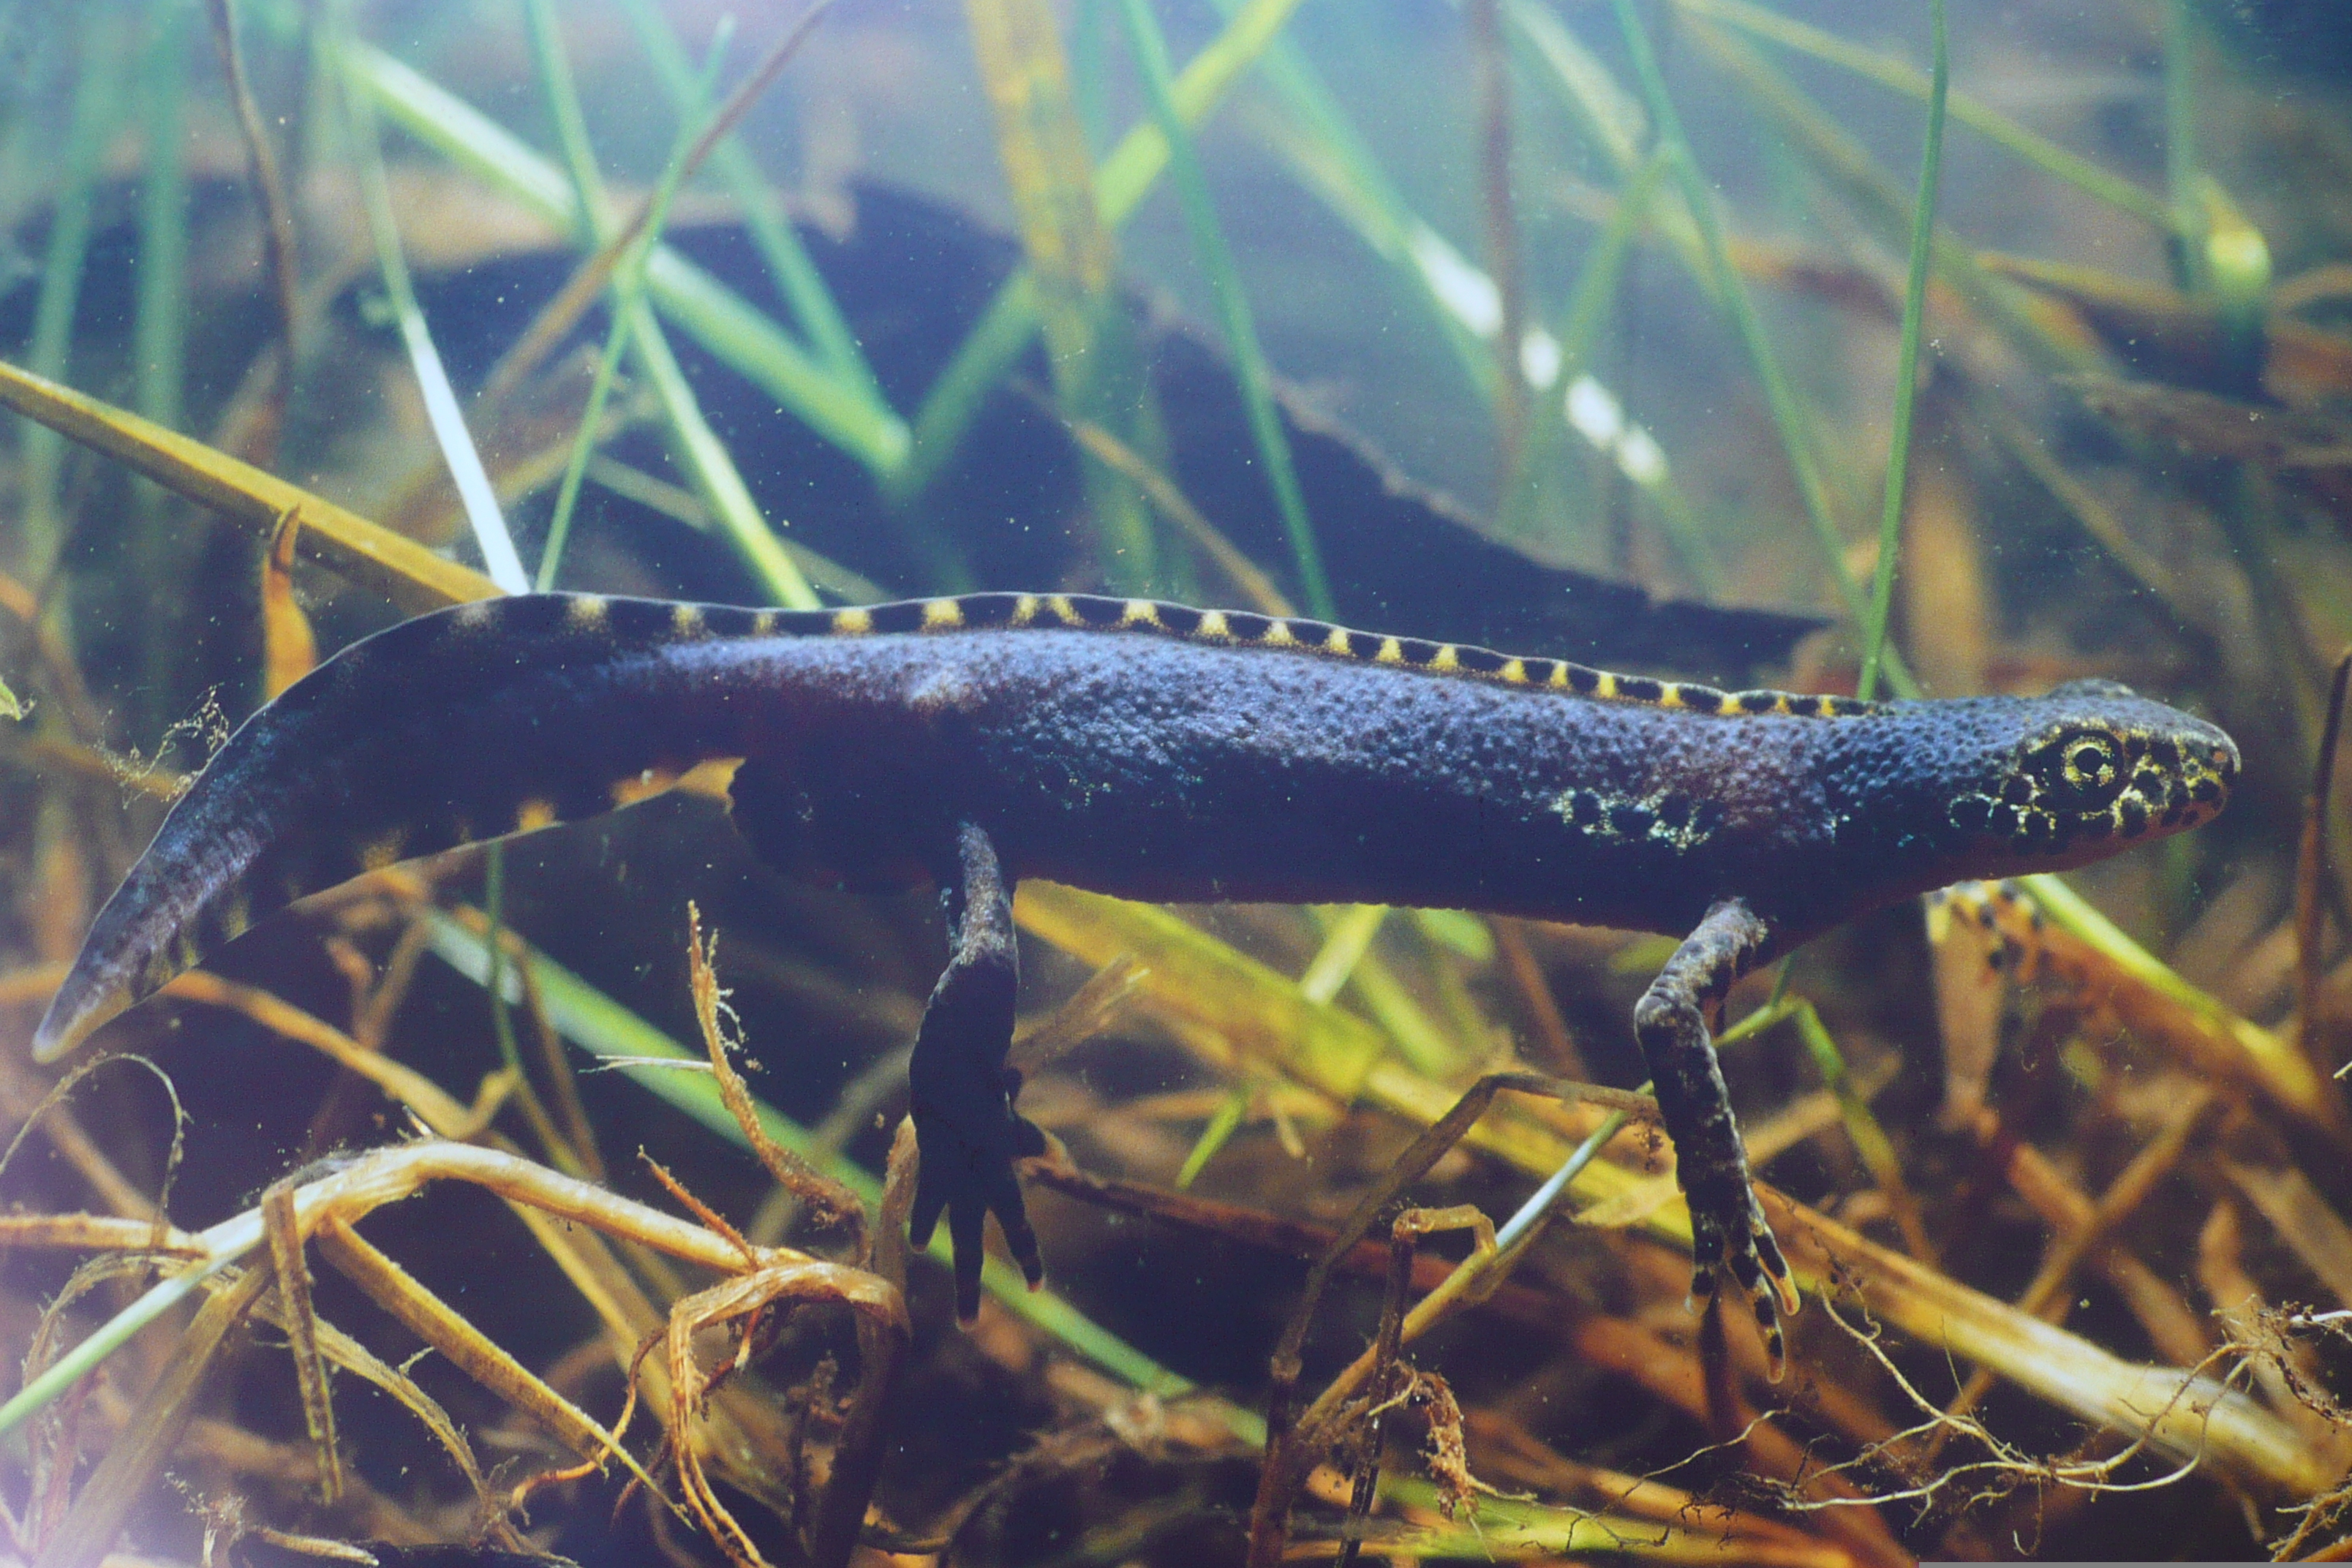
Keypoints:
pixel 1920 795
pixel 2087 770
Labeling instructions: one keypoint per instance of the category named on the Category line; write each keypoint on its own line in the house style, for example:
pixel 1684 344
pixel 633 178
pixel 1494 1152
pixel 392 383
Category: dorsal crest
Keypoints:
pixel 654 621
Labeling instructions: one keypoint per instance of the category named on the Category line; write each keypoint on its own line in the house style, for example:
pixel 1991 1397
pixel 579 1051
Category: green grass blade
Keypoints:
pixel 1215 1135
pixel 499 561
pixel 1907 362
pixel 711 467
pixel 695 447
pixel 726 325
pixel 628 291
pixel 1762 22
pixel 561 96
pixel 50 353
pixel 160 333
pixel 787 260
pixel 1788 414
pixel 1329 156
pixel 1215 260
pixel 984 357
pixel 1141 156
pixel 1862 1127
pixel 228 1243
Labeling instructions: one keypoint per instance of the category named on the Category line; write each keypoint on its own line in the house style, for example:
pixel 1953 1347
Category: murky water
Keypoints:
pixel 1568 329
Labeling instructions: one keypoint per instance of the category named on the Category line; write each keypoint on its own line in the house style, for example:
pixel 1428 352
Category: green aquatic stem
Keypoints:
pixel 1762 22
pixel 159 322
pixel 1527 1220
pixel 1215 1135
pixel 2071 912
pixel 1788 414
pixel 627 292
pixel 223 1245
pixel 560 95
pixel 1348 934
pixel 764 218
pixel 581 205
pixel 1862 1127
pixel 1906 359
pixel 1329 156
pixel 988 354
pixel 50 352
pixel 1346 959
pixel 1215 260
pixel 728 327
pixel 160 334
pixel 679 1077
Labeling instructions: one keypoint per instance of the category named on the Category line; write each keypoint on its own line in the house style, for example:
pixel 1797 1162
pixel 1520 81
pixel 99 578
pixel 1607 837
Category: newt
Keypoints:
pixel 1152 751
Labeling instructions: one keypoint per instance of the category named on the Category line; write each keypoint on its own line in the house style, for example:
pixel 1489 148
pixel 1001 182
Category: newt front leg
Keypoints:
pixel 960 1089
pixel 1673 1021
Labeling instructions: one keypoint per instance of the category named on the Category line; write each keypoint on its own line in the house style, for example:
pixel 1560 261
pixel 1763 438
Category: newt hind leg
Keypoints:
pixel 961 1092
pixel 1672 1022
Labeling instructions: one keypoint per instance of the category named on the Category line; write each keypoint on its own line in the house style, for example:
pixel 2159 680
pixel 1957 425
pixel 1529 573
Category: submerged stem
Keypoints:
pixel 1907 361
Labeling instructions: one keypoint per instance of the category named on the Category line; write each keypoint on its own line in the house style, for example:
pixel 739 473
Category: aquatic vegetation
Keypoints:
pixel 1677 336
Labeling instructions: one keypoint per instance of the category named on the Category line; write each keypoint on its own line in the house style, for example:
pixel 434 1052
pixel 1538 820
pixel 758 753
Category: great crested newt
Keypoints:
pixel 1152 751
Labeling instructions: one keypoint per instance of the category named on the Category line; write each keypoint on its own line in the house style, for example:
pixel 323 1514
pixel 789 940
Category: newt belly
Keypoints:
pixel 1156 751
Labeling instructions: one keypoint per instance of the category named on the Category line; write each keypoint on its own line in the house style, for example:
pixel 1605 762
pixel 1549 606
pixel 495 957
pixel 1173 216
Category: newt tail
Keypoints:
pixel 1154 750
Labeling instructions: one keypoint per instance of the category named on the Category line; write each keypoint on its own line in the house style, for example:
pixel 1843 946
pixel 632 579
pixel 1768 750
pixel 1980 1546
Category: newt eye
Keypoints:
pixel 2091 765
pixel 2083 770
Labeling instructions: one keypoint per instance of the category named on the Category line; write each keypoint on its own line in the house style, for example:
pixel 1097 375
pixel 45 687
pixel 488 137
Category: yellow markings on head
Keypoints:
pixel 642 786
pixel 941 614
pixel 379 853
pixel 1141 613
pixel 1336 642
pixel 586 613
pixel 1212 626
pixel 852 623
pixel 533 815
pixel 1024 609
pixel 763 624
pixel 1514 670
pixel 1391 652
pixel 1446 660
pixel 685 620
